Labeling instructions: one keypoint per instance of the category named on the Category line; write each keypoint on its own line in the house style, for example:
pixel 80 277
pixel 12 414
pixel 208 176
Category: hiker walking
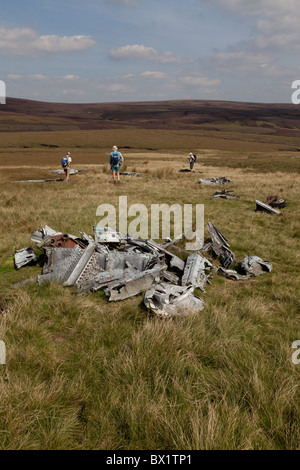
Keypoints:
pixel 66 164
pixel 192 159
pixel 115 160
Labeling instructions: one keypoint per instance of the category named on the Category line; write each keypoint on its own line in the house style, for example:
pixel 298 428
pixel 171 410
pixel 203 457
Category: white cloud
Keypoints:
pixel 71 77
pixel 26 42
pixel 276 21
pixel 137 52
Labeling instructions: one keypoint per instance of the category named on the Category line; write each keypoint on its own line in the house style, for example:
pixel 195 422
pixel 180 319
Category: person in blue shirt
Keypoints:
pixel 114 161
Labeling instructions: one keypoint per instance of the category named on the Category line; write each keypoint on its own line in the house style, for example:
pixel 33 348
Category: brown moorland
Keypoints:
pixel 83 373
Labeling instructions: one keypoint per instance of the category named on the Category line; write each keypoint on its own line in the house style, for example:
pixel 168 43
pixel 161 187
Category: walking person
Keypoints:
pixel 66 164
pixel 114 161
pixel 192 159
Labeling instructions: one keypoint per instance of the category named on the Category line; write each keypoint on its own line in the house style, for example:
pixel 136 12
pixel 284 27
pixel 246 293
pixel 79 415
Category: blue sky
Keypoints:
pixel 136 50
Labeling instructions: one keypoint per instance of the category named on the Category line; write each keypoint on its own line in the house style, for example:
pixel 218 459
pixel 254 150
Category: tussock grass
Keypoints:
pixel 83 373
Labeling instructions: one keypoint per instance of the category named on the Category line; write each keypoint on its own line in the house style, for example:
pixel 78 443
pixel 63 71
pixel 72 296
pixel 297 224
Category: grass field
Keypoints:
pixel 83 373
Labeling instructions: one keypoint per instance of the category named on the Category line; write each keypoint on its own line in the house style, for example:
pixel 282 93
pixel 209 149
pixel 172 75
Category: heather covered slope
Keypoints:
pixel 26 115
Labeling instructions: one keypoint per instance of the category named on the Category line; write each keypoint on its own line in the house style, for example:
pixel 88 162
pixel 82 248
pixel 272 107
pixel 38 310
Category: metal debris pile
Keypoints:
pixel 124 266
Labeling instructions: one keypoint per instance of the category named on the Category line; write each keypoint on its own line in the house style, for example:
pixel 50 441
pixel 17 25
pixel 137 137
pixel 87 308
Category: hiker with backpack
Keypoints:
pixel 115 160
pixel 66 164
pixel 192 158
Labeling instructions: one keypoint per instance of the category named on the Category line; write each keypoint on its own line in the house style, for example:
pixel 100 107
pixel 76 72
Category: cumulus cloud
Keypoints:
pixel 26 42
pixel 276 21
pixel 137 52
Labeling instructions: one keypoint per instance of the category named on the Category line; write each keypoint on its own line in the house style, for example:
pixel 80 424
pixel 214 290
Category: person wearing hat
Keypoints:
pixel 114 161
pixel 66 164
pixel 192 159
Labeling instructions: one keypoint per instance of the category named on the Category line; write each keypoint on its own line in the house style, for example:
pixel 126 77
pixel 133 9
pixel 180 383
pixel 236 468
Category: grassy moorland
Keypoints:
pixel 83 373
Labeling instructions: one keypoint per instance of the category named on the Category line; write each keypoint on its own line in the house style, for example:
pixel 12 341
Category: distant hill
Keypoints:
pixel 27 115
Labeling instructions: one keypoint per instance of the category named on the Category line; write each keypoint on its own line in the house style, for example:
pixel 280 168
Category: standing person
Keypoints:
pixel 192 159
pixel 66 164
pixel 114 161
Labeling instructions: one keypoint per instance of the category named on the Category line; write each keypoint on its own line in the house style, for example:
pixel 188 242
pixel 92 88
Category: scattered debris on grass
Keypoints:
pixel 46 180
pixel 71 171
pixel 214 181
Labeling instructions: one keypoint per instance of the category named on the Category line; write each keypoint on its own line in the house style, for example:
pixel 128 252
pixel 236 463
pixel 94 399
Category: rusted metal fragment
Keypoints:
pixel 24 256
pixel 167 300
pixel 220 246
pixel 214 181
pixel 274 201
pixel 64 241
pixel 254 266
pixel 194 272
pixel 134 283
pixel 263 207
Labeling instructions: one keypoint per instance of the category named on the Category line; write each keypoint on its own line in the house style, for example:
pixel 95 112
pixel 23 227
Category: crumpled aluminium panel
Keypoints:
pixel 167 300
pixel 133 283
pixel 194 272
pixel 254 266
pixel 220 246
pixel 24 257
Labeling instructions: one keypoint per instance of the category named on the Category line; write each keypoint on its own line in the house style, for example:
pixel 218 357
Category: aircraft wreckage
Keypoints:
pixel 124 266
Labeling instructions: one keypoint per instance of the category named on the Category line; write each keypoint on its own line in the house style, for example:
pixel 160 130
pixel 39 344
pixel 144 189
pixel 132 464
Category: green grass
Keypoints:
pixel 83 373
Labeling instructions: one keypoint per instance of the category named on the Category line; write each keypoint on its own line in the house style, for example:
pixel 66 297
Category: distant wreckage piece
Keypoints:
pixel 71 171
pixel 224 194
pixel 46 180
pixel 272 204
pixel 214 181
